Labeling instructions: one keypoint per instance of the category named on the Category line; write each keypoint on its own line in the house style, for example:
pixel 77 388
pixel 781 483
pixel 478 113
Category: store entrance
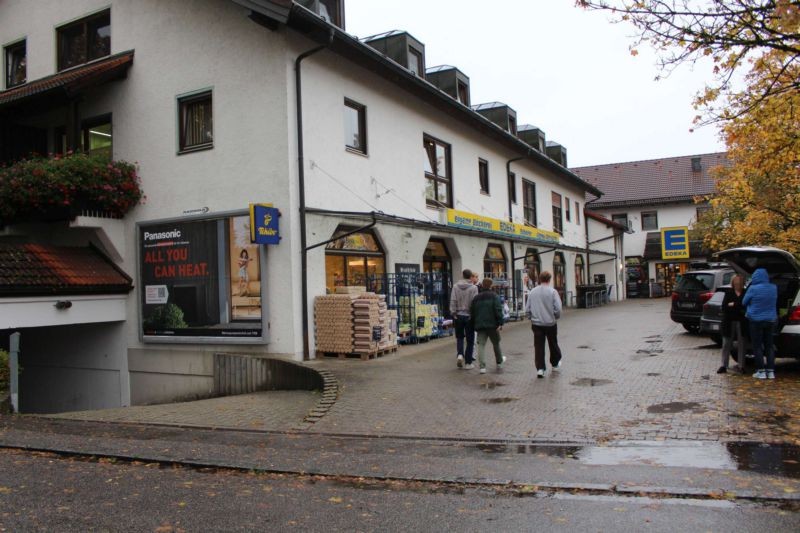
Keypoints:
pixel 667 274
pixel 436 262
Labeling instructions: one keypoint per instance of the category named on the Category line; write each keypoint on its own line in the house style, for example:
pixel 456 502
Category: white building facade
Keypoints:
pixel 203 96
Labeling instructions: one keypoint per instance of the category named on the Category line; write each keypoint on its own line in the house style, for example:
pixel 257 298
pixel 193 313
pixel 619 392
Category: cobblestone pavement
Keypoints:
pixel 629 374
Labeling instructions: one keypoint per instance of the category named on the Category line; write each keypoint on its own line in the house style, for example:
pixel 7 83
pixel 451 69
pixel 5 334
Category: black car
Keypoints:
pixel 694 289
pixel 711 319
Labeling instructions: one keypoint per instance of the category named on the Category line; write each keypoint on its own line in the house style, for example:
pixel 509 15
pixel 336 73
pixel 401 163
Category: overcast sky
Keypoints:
pixel 564 70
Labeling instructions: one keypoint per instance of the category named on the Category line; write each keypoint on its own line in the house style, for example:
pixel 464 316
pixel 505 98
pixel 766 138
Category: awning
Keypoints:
pixel 652 247
pixel 66 84
pixel 28 269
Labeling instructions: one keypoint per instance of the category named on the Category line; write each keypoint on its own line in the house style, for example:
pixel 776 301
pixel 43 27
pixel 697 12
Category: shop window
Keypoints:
pixel 200 279
pixel 15 61
pixel 558 223
pixel 353 260
pixel 196 125
pixel 85 40
pixel 438 183
pixel 483 175
pixel 559 274
pixel 355 126
pixel 529 202
pixel 580 271
pixel 649 220
pixel 494 262
pixel 533 267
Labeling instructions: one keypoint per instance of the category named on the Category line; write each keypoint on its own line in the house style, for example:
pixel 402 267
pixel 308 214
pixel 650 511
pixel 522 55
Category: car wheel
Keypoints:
pixel 717 339
pixel 691 328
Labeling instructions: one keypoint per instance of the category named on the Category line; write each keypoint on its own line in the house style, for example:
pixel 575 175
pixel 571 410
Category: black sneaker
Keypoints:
pixel 722 370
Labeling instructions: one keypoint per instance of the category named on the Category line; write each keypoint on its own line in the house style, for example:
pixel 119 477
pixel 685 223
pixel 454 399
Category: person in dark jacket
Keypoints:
pixel 761 300
pixel 486 315
pixel 733 323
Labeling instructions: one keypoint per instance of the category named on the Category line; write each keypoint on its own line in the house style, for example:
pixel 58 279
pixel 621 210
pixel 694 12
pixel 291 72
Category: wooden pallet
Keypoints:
pixel 363 356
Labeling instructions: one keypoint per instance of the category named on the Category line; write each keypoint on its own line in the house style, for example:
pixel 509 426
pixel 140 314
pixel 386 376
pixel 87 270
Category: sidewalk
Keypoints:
pixel 629 373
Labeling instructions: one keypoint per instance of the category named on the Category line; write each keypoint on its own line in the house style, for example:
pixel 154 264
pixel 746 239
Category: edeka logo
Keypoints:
pixel 675 243
pixel 264 224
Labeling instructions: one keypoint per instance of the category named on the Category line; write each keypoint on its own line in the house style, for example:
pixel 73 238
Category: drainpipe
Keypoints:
pixel 301 181
pixel 511 219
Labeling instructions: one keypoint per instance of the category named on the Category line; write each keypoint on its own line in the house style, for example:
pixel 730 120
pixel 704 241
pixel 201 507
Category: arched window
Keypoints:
pixel 559 278
pixel 580 271
pixel 352 259
pixel 533 266
pixel 436 257
pixel 494 262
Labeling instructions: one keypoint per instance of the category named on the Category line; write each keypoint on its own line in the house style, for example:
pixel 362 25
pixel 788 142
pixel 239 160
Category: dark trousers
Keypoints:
pixel 540 333
pixel 464 330
pixel 761 337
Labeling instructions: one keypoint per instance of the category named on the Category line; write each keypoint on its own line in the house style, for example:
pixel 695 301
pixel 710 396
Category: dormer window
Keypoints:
pixel 697 165
pixel 85 40
pixel 331 11
pixel 512 125
pixel 16 71
pixel 415 62
pixel 463 93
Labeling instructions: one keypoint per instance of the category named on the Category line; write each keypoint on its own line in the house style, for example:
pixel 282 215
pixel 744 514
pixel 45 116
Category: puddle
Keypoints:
pixel 564 452
pixel 490 385
pixel 652 374
pixel 584 347
pixel 656 340
pixel 499 400
pixel 590 382
pixel 770 459
pixel 676 407
pixel 651 353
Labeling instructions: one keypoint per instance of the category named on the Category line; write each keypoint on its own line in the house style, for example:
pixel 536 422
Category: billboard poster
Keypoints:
pixel 196 280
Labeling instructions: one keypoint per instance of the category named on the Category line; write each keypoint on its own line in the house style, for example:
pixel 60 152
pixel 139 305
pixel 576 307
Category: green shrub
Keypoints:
pixel 73 182
pixel 4 372
pixel 168 316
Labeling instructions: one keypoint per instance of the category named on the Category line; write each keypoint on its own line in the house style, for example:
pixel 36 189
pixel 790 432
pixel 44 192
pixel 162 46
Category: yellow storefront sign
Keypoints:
pixel 675 243
pixel 463 219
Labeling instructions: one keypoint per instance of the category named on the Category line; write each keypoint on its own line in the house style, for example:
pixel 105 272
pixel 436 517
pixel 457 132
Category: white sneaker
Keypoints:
pixel 540 373
pixel 470 366
pixel 460 361
pixel 770 374
pixel 500 364
pixel 483 370
pixel 558 366
pixel 760 374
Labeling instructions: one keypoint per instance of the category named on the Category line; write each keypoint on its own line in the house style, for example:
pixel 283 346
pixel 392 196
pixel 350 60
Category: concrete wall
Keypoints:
pixel 73 368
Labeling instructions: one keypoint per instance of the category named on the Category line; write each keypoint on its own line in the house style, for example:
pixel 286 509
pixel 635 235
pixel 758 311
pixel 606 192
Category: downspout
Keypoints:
pixel 301 182
pixel 511 219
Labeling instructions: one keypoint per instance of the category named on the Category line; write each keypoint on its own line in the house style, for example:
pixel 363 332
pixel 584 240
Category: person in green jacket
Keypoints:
pixel 486 316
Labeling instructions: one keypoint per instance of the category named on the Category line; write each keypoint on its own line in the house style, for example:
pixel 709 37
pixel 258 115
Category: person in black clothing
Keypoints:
pixel 734 324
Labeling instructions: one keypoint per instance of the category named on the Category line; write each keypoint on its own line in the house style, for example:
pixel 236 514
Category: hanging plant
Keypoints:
pixel 48 188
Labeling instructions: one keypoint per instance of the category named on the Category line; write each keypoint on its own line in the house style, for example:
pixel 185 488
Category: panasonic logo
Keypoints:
pixel 174 234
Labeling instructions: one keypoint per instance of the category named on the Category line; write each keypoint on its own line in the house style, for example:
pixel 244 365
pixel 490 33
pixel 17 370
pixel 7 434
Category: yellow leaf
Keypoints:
pixel 335 499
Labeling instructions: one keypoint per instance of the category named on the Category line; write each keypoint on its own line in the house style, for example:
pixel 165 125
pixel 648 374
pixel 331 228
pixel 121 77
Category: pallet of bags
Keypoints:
pixel 333 323
pixel 366 324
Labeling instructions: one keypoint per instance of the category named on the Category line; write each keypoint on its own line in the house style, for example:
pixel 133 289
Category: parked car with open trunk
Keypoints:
pixel 694 289
pixel 784 271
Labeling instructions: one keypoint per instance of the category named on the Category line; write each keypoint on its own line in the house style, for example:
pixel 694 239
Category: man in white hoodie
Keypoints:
pixel 460 300
pixel 544 308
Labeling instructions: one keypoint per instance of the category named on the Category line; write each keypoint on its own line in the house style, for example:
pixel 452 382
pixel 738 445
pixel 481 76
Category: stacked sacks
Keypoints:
pixel 333 319
pixel 367 325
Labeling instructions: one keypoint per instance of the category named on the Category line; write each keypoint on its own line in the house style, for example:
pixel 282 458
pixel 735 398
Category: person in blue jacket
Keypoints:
pixel 761 300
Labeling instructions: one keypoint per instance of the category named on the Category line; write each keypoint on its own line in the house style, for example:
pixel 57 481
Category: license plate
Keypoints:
pixel 686 305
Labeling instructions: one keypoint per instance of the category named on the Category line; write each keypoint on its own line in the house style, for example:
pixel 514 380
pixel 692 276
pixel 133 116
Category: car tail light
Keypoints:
pixel 794 316
pixel 705 296
pixel 674 296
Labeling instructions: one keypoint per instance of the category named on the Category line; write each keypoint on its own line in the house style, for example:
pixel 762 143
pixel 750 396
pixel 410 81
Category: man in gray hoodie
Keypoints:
pixel 544 308
pixel 460 300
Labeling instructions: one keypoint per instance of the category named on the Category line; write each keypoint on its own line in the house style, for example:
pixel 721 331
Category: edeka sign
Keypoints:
pixel 462 219
pixel 264 224
pixel 675 243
